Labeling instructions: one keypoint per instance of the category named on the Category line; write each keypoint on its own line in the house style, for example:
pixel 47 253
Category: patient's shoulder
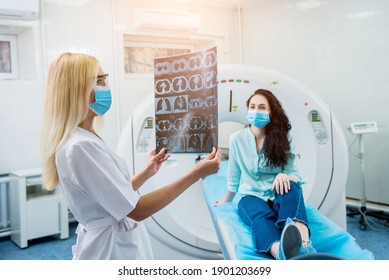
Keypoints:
pixel 241 134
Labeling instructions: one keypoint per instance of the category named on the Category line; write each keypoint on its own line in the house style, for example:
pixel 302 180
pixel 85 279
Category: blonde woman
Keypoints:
pixel 94 180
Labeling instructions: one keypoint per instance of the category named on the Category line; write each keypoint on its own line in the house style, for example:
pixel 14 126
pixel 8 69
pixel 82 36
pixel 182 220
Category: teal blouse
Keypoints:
pixel 247 173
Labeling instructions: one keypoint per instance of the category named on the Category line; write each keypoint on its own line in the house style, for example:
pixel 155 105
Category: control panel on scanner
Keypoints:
pixel 363 127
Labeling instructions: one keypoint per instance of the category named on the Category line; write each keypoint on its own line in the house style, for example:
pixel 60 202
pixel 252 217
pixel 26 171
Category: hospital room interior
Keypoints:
pixel 326 61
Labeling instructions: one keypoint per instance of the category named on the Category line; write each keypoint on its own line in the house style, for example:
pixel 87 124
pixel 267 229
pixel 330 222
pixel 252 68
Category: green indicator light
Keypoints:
pixel 149 124
pixel 315 117
pixel 238 81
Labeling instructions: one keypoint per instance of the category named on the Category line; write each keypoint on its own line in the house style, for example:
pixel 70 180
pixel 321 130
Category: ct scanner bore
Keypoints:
pixel 184 230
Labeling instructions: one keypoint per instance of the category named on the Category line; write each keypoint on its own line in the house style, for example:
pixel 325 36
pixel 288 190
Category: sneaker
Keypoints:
pixel 290 242
pixel 307 248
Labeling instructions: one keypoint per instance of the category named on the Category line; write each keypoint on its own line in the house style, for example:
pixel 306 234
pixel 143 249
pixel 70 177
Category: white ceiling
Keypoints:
pixel 227 3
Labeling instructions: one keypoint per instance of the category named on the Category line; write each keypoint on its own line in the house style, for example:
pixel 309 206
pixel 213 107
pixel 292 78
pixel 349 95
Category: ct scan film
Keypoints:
pixel 185 88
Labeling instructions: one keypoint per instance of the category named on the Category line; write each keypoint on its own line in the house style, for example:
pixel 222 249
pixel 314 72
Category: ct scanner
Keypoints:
pixel 184 229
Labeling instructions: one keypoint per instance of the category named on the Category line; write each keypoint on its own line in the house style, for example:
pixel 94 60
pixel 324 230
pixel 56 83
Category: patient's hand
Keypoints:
pixel 227 198
pixel 281 183
pixel 220 201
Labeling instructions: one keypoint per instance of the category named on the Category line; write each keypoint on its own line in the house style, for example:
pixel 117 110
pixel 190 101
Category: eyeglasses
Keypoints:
pixel 102 80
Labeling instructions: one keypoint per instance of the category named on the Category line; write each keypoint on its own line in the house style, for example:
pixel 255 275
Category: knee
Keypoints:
pixel 293 185
pixel 295 189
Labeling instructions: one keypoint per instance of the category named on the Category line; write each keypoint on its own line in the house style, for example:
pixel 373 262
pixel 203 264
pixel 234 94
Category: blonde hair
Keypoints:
pixel 70 81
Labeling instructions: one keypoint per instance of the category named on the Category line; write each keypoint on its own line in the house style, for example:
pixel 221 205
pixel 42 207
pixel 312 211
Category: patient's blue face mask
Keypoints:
pixel 103 100
pixel 258 118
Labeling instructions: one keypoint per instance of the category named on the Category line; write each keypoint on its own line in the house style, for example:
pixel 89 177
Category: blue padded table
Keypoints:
pixel 235 238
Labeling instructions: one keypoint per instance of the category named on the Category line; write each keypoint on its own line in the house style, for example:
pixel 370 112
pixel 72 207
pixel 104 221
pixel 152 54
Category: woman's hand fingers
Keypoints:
pixel 281 184
pixel 209 165
pixel 161 153
pixel 153 152
pixel 162 160
pixel 276 186
pixel 219 202
pixel 287 186
pixel 213 153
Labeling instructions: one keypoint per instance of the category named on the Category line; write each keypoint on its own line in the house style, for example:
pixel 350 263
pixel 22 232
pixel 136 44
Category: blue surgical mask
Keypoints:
pixel 258 118
pixel 103 100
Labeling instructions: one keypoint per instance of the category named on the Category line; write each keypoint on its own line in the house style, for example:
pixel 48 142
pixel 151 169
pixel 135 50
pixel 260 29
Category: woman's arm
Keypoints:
pixel 290 173
pixel 153 165
pixel 233 173
pixel 154 201
pixel 227 198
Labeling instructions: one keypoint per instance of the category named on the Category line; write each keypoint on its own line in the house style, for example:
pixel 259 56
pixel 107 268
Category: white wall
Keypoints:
pixel 218 27
pixel 340 49
pixel 21 100
pixel 84 27
pixel 95 27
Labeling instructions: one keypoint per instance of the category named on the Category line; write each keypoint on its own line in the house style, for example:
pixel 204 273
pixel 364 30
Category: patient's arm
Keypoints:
pixel 227 198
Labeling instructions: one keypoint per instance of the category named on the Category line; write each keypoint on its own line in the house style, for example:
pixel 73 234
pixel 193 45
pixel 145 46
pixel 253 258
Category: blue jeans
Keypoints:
pixel 267 218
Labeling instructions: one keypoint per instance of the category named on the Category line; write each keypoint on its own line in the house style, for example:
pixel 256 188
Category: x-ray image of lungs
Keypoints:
pixel 195 62
pixel 210 101
pixel 180 124
pixel 195 82
pixel 181 104
pixel 210 59
pixel 162 68
pixel 180 65
pixel 195 142
pixel 186 106
pixel 164 142
pixel 211 121
pixel 210 79
pixel 162 86
pixel 163 125
pixel 163 106
pixel 195 123
pixel 196 103
pixel 210 142
pixel 179 144
pixel 180 84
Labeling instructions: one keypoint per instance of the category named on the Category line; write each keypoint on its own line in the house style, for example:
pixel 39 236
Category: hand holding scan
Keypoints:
pixel 154 162
pixel 209 165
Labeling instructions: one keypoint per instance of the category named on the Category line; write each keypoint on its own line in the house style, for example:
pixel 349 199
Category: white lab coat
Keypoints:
pixel 97 186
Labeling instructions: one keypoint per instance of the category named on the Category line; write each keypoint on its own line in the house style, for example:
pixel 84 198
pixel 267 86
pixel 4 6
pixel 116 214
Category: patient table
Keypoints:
pixel 235 238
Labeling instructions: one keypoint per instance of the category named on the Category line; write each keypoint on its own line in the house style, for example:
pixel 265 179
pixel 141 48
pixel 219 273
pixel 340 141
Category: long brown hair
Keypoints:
pixel 276 146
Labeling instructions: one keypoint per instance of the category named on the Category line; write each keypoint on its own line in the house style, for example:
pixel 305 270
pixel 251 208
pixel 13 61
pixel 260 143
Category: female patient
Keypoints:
pixel 261 167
